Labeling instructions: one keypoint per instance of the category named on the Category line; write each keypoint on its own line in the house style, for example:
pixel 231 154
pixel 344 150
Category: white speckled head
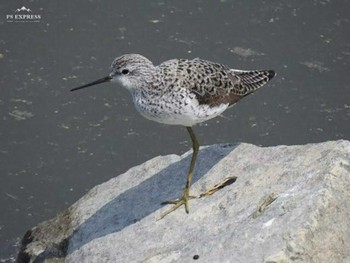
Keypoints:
pixel 131 70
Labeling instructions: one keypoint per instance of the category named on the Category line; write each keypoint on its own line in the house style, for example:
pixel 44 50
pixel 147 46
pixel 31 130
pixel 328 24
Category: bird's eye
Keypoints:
pixel 125 71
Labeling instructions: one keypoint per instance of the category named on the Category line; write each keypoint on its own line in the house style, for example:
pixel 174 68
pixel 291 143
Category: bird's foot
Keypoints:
pixel 227 181
pixel 186 196
pixel 177 203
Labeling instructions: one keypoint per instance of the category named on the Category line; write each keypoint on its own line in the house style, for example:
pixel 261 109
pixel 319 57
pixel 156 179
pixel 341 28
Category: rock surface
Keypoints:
pixel 289 203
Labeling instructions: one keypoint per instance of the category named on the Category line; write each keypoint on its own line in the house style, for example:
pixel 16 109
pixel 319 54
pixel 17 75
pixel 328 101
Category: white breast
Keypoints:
pixel 176 110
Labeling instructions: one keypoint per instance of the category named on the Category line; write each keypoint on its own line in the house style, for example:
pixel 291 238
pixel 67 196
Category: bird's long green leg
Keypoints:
pixel 186 193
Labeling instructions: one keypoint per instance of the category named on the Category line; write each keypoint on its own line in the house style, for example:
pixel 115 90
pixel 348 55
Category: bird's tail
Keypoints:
pixel 251 80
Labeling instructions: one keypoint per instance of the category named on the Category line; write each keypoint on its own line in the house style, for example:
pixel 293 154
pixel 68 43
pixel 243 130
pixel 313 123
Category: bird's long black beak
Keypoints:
pixel 105 79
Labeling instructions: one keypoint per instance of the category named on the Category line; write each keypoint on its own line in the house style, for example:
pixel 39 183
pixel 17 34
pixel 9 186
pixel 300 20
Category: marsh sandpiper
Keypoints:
pixel 182 92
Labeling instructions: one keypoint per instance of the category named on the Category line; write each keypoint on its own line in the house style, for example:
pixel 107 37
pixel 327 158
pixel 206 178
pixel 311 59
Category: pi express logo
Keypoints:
pixel 23 14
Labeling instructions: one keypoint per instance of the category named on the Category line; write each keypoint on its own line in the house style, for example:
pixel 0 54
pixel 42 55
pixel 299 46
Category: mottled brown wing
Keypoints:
pixel 215 84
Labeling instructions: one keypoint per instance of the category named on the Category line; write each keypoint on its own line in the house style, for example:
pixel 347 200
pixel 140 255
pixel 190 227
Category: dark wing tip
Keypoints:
pixel 271 74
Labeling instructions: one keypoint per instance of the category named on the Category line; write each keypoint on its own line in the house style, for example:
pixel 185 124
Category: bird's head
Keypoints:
pixel 130 70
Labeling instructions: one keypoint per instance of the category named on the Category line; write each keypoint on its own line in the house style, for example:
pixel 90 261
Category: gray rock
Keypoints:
pixel 289 203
